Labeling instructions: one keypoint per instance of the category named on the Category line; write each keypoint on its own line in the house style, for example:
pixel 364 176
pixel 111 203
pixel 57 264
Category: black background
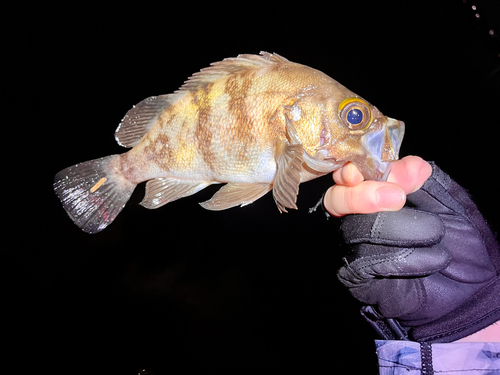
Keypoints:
pixel 181 289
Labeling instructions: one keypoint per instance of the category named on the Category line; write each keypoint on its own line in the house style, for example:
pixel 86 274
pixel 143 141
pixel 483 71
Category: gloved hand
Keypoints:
pixel 429 272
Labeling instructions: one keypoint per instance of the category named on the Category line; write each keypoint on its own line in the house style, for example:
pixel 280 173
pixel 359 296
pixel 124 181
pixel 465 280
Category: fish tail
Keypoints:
pixel 93 193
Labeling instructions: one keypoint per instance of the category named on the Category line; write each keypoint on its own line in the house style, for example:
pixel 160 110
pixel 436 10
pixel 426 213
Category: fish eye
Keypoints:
pixel 355 113
pixel 354 116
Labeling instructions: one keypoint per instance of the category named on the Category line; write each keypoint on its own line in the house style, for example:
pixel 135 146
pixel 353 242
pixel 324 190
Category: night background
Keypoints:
pixel 181 289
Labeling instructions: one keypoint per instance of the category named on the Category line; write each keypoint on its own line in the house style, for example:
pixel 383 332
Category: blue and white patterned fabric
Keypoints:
pixel 467 358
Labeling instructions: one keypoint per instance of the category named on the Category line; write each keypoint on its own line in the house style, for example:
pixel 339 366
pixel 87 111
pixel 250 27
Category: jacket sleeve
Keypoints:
pixel 413 358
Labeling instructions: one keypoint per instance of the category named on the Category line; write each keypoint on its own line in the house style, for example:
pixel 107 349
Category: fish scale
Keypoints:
pixel 254 122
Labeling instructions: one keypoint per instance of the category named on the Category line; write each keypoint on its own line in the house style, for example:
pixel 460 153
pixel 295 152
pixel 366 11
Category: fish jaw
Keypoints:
pixel 382 149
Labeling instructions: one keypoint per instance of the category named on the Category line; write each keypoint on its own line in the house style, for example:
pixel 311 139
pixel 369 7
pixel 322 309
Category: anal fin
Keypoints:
pixel 161 191
pixel 236 194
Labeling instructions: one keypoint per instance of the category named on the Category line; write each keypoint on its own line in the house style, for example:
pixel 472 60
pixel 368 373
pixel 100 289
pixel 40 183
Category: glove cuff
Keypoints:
pixel 477 313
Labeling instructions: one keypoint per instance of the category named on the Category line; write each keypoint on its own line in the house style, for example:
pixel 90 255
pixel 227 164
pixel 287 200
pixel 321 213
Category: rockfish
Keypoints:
pixel 255 122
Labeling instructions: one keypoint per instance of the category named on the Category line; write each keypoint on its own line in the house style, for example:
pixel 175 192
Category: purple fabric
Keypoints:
pixel 406 357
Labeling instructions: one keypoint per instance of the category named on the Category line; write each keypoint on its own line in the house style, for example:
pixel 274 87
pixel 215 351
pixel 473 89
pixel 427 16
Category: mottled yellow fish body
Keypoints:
pixel 257 123
pixel 227 129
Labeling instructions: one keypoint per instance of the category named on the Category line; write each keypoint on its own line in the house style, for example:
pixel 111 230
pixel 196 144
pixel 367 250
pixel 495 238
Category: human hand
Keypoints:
pixel 352 195
pixel 430 271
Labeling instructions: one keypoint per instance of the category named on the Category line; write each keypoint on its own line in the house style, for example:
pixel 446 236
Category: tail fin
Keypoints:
pixel 93 193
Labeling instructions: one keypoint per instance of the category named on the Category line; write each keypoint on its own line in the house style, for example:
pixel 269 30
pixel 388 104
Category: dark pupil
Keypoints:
pixel 354 116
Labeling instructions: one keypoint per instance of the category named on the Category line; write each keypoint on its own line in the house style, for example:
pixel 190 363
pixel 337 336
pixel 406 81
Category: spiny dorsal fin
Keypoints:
pixel 271 57
pixel 140 118
pixel 231 65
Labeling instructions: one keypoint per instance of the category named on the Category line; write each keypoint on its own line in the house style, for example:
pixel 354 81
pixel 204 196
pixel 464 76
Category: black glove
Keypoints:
pixel 429 272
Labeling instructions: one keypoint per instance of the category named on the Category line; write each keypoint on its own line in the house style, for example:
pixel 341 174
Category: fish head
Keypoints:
pixel 356 131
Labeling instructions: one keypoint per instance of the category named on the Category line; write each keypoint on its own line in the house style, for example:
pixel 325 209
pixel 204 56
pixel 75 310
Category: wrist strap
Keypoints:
pixel 387 329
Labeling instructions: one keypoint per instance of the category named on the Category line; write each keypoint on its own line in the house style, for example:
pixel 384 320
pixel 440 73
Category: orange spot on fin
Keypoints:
pixel 98 185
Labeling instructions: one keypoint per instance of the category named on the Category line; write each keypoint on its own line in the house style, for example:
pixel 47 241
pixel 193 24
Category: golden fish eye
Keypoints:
pixel 355 113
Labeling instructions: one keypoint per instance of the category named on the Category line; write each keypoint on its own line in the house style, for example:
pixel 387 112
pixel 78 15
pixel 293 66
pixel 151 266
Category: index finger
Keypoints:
pixel 365 198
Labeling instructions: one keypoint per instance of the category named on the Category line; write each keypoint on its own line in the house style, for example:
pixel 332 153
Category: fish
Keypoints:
pixel 256 123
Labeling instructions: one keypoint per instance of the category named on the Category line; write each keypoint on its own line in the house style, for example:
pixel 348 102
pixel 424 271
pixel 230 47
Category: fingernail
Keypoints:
pixel 390 198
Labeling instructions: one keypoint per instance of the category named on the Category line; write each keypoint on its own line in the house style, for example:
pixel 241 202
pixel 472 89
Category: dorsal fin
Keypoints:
pixel 231 65
pixel 140 118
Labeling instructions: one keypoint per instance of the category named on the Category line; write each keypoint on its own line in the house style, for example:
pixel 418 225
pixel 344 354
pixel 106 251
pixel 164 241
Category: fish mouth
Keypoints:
pixel 382 149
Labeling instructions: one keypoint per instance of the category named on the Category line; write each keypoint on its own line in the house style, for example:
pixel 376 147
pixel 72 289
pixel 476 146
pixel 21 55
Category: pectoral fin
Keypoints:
pixel 161 191
pixel 235 194
pixel 286 183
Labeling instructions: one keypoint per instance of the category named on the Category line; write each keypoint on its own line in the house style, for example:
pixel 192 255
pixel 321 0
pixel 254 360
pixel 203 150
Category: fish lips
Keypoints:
pixel 382 149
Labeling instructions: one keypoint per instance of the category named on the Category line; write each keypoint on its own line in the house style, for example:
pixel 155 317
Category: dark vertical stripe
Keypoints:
pixel 426 359
pixel 237 87
pixel 203 131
